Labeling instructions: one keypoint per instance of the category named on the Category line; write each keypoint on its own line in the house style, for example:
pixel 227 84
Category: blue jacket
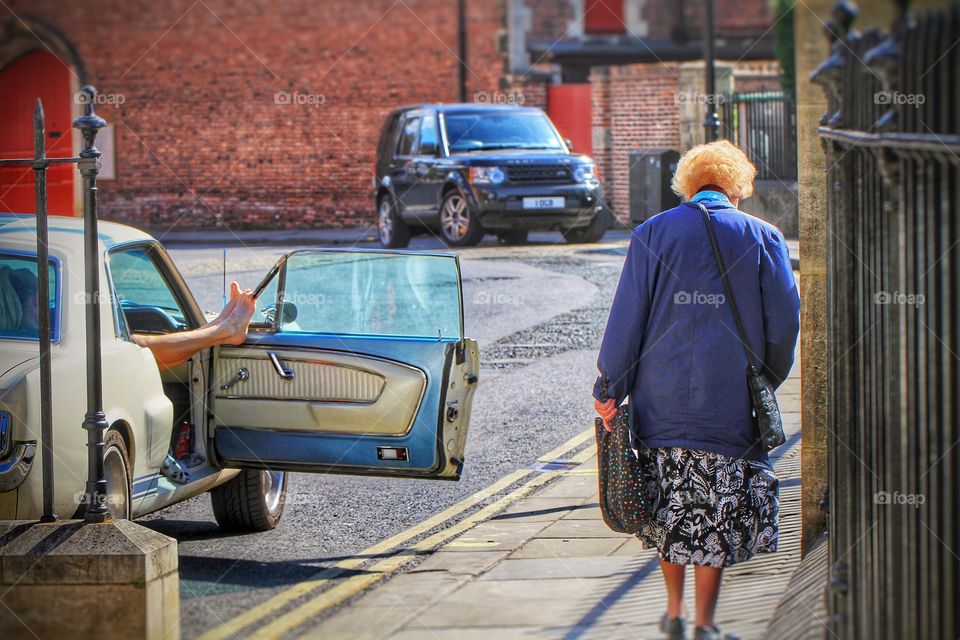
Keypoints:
pixel 671 344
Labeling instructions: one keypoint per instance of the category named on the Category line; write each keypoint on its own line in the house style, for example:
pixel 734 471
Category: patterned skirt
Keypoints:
pixel 710 509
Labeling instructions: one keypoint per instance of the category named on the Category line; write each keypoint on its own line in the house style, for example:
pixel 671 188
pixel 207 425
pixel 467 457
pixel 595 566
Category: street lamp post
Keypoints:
pixel 711 125
pixel 95 421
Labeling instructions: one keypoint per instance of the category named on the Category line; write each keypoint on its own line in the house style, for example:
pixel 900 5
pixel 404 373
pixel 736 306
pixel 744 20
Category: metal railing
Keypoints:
pixel 893 198
pixel 95 421
pixel 764 125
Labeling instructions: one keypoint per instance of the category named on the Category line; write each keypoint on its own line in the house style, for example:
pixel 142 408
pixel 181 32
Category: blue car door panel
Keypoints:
pixel 364 371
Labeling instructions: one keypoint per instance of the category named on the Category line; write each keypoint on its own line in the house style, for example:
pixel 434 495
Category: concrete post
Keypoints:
pixel 80 580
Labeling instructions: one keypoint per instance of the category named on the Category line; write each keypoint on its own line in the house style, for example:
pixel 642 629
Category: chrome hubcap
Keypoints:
pixel 385 222
pixel 273 481
pixel 115 472
pixel 454 220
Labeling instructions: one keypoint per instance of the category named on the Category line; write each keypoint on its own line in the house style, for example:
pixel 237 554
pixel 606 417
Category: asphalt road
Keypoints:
pixel 538 312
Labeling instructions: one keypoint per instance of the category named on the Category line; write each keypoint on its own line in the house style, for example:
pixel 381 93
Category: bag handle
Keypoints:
pixel 726 284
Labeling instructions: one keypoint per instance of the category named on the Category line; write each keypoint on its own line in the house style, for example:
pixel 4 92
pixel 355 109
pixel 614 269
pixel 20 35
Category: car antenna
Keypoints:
pixel 224 277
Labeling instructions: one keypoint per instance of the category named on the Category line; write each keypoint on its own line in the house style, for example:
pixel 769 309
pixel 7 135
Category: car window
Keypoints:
pixel 428 133
pixel 408 139
pixel 500 130
pixel 143 296
pixel 373 294
pixel 18 298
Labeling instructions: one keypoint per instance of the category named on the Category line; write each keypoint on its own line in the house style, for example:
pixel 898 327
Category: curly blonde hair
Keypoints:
pixel 719 163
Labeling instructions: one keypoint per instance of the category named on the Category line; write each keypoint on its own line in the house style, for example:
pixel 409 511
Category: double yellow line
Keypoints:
pixel 396 554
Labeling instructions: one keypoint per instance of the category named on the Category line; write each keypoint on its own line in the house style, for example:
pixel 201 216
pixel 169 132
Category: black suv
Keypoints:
pixel 466 169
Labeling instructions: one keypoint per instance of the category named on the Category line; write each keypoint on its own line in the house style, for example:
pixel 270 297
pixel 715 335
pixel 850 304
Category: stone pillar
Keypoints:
pixel 692 100
pixel 812 49
pixel 75 580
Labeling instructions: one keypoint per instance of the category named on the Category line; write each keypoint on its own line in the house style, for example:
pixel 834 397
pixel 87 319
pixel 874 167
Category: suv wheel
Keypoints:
pixel 516 236
pixel 593 232
pixel 393 232
pixel 459 226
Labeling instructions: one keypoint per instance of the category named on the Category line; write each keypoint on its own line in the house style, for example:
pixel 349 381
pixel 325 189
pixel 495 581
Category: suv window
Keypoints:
pixel 18 298
pixel 428 134
pixel 147 303
pixel 408 138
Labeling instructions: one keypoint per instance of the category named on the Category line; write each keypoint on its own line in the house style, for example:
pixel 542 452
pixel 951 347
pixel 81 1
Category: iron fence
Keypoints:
pixel 764 125
pixel 892 145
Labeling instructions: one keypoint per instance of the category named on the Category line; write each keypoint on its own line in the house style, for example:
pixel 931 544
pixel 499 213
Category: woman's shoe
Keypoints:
pixel 712 633
pixel 674 628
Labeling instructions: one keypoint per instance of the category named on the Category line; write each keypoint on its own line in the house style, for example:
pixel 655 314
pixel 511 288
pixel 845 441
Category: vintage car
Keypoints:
pixel 365 371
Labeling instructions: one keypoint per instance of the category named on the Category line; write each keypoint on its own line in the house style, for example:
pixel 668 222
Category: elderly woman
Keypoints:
pixel 672 348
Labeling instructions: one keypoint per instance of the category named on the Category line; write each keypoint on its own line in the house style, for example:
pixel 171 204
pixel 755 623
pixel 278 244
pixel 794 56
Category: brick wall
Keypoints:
pixel 199 138
pixel 634 107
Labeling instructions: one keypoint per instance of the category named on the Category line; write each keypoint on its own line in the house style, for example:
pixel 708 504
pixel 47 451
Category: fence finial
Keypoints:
pixel 89 123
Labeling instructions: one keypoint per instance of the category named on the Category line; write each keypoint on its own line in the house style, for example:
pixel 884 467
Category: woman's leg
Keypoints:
pixel 708 590
pixel 673 575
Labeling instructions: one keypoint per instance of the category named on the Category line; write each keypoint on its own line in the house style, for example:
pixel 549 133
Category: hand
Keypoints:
pixel 607 411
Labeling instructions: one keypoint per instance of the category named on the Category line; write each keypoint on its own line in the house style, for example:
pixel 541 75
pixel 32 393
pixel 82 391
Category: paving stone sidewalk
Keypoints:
pixel 547 567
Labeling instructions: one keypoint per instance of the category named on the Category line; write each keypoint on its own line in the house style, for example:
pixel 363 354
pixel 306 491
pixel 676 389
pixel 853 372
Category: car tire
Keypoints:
pixel 513 237
pixel 116 470
pixel 393 232
pixel 252 501
pixel 459 226
pixel 593 232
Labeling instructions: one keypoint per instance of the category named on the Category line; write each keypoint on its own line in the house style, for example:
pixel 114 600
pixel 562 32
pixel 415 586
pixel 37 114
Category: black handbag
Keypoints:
pixel 766 411
pixel 626 491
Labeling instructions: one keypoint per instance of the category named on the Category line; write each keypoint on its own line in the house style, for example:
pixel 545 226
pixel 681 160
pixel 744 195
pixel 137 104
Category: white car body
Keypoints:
pixel 139 409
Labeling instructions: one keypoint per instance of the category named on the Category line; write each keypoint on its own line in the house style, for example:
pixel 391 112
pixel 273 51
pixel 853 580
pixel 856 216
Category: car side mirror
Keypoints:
pixel 568 143
pixel 288 314
pixel 428 149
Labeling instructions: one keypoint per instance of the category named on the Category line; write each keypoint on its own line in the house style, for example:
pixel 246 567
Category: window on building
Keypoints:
pixel 603 16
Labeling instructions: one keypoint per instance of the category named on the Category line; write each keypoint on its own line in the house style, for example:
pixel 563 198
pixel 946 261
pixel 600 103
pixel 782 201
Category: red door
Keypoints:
pixel 37 74
pixel 570 108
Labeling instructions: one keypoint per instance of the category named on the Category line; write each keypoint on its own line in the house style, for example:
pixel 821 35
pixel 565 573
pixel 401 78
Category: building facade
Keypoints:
pixel 260 115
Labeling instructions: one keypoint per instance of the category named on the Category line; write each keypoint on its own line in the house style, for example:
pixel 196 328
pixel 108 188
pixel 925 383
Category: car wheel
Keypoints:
pixel 460 228
pixel 517 236
pixel 252 501
pixel 393 232
pixel 116 470
pixel 593 232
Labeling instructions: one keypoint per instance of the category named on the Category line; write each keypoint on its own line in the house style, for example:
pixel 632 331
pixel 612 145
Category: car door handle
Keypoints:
pixel 283 372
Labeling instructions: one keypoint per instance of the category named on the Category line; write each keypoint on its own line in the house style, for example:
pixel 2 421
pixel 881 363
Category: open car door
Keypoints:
pixel 360 366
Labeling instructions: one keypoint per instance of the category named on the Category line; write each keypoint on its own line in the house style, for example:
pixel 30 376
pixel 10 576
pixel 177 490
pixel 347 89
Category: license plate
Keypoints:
pixel 543 203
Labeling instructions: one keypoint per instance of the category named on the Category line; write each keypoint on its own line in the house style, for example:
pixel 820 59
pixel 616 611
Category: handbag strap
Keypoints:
pixel 726 284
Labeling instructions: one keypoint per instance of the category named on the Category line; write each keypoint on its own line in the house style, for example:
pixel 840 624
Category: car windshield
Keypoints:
pixel 19 308
pixel 502 130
